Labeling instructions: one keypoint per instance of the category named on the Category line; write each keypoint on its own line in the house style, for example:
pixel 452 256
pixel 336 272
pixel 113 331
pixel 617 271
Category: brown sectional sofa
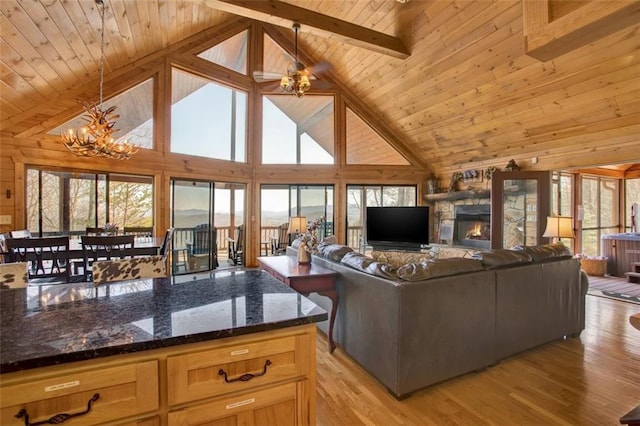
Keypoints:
pixel 426 322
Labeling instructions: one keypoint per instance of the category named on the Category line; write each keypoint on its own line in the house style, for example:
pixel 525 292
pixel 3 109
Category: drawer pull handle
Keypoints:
pixel 245 377
pixel 58 418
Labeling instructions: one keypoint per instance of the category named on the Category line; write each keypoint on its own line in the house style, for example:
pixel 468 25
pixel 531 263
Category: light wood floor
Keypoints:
pixel 591 380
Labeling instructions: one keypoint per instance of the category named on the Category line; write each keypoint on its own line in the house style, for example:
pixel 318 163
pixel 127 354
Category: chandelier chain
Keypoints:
pixel 102 12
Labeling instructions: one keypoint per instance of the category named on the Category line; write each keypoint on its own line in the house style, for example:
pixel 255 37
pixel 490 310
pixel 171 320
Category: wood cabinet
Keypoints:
pixel 261 378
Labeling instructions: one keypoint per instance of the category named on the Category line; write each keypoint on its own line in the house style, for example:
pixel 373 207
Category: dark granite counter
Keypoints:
pixel 55 324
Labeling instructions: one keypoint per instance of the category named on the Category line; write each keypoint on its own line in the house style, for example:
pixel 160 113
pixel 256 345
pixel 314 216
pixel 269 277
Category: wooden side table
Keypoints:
pixel 305 278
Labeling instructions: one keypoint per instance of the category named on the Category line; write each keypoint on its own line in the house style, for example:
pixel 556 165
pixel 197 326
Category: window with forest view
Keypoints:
pixel 632 196
pixel 63 202
pixel 359 197
pixel 601 204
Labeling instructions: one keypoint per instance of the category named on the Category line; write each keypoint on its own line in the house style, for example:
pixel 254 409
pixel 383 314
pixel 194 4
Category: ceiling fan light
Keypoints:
pixel 284 82
pixel 305 84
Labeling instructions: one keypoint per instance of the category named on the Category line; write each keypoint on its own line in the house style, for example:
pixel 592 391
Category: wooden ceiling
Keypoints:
pixel 449 79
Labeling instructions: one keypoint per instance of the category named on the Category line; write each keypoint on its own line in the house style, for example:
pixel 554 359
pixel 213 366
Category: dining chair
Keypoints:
pixel 92 230
pixel 21 233
pixel 103 247
pixel 14 275
pixel 48 257
pixel 236 246
pixel 105 271
pixel 139 231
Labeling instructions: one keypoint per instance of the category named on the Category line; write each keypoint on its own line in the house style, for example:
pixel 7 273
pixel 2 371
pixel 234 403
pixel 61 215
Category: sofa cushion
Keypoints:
pixel 333 252
pixel 366 264
pixel 546 251
pixel 399 258
pixel 502 257
pixel 438 268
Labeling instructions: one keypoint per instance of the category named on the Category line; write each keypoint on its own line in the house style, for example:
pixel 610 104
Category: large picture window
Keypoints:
pixel 280 202
pixel 297 130
pixel 359 197
pixel 207 119
pixel 64 202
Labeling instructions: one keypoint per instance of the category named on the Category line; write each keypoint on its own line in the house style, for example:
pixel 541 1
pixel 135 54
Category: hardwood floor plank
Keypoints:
pixel 590 380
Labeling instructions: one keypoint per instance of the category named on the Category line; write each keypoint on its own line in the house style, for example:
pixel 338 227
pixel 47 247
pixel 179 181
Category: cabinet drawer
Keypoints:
pixel 199 375
pixel 150 421
pixel 122 391
pixel 275 406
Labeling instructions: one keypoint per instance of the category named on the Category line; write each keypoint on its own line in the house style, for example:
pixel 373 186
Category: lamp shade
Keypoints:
pixel 559 227
pixel 297 224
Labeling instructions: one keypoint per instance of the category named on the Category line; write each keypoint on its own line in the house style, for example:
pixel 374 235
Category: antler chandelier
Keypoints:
pixel 296 80
pixel 96 139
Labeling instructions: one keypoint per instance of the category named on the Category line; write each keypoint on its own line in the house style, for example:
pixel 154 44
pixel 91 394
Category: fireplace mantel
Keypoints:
pixel 459 195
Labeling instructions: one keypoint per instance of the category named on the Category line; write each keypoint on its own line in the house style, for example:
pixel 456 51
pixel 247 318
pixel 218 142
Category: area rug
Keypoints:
pixel 614 288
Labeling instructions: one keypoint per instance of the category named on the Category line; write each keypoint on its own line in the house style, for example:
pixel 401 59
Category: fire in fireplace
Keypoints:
pixel 472 226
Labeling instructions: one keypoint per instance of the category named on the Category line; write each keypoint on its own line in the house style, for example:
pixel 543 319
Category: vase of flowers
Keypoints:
pixel 308 241
pixel 110 228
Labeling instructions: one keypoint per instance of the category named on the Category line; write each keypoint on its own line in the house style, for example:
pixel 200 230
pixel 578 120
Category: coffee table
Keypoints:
pixel 305 278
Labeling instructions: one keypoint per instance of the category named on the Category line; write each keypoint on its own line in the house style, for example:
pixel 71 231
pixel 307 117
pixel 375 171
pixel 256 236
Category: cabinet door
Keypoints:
pixel 122 391
pixel 274 406
pixel 520 204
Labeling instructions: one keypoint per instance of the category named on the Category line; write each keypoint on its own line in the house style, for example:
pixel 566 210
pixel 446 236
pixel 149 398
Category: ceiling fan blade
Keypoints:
pixel 321 67
pixel 261 77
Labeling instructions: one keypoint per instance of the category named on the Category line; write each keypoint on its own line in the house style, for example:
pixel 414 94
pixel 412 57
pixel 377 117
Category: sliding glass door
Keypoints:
pixel 204 215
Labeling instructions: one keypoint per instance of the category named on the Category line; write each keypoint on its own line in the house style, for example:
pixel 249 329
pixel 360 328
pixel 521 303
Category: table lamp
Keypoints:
pixel 297 224
pixel 559 227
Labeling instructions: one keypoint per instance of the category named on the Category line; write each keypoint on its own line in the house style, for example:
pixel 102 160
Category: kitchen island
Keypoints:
pixel 232 346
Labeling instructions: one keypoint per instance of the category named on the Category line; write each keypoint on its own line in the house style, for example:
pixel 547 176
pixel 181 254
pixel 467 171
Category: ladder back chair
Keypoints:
pixel 96 248
pixel 279 244
pixel 48 257
pixel 236 246
pixel 139 231
pixel 202 252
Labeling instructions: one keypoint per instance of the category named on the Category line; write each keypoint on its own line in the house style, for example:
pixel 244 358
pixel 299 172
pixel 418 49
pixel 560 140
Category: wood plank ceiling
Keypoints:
pixel 466 96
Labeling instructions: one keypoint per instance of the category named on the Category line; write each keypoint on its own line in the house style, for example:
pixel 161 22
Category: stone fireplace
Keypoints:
pixel 472 225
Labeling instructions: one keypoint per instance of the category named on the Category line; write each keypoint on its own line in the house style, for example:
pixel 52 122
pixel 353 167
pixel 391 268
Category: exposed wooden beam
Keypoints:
pixel 284 14
pixel 546 39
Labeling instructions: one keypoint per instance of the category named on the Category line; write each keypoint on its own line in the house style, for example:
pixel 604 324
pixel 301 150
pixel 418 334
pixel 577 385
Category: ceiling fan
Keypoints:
pixel 297 79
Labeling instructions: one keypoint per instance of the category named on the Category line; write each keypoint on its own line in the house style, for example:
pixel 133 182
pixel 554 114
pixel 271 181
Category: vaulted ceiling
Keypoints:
pixel 450 79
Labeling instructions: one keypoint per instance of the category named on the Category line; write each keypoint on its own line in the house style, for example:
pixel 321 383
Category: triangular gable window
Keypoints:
pixel 365 146
pixel 135 121
pixel 231 53
pixel 276 60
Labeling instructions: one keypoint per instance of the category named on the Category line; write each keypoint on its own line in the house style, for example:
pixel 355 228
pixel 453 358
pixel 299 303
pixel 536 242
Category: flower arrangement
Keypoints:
pixel 488 172
pixel 110 228
pixel 309 238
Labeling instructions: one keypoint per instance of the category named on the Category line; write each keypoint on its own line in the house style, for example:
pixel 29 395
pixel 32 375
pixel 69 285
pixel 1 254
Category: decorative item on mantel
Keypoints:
pixel 512 166
pixel 433 184
pixel 455 178
pixel 488 174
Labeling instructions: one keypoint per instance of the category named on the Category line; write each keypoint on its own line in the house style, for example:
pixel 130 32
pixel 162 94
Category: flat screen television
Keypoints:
pixel 397 228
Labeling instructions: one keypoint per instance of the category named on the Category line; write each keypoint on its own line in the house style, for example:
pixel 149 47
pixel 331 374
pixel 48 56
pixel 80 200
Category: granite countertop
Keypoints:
pixel 54 324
